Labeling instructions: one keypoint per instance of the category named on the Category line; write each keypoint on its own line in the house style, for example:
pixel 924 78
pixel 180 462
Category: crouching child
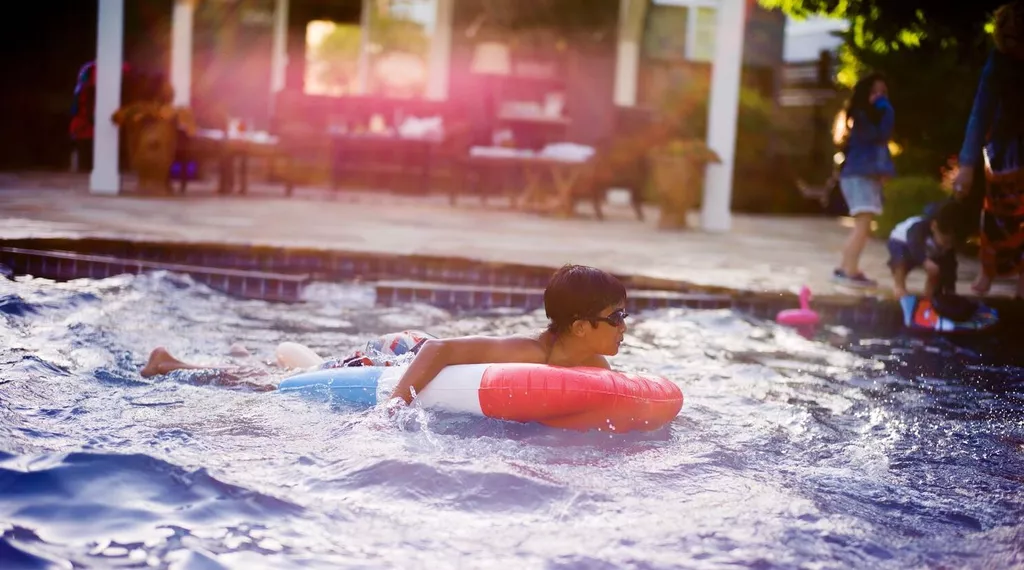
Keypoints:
pixel 926 241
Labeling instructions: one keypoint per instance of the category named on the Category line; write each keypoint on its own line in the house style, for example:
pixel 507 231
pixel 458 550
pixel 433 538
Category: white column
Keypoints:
pixel 722 113
pixel 105 178
pixel 279 55
pixel 439 69
pixel 363 71
pixel 627 62
pixel 181 51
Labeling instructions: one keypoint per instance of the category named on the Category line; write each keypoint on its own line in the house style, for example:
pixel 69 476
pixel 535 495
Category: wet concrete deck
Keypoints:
pixel 760 254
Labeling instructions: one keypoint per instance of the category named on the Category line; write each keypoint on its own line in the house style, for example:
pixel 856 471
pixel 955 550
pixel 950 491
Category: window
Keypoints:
pixel 395 51
pixel 703 33
pixel 681 29
pixel 666 32
pixel 332 58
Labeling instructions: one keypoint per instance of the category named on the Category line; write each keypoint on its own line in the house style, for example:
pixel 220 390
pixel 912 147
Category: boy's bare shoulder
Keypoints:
pixel 599 361
pixel 511 348
pixel 528 345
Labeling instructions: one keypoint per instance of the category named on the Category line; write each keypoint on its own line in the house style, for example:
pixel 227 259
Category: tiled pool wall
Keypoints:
pixel 280 274
pixel 64 266
pixel 318 264
pixel 868 313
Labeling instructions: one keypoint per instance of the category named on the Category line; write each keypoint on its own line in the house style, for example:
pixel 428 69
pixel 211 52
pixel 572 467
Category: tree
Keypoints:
pixel 895 23
pixel 931 54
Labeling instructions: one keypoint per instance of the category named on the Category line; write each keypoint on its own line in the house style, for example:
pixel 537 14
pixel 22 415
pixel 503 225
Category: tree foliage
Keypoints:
pixel 932 93
pixel 931 54
pixel 895 23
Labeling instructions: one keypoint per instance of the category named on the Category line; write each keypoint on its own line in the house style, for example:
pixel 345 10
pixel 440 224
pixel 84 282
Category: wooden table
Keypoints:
pixel 232 152
pixel 535 131
pixel 377 153
pixel 538 171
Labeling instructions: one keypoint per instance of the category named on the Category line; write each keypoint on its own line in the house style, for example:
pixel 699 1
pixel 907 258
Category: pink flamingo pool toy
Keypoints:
pixel 803 317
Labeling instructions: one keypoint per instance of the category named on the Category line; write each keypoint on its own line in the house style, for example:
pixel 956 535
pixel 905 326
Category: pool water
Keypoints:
pixel 841 451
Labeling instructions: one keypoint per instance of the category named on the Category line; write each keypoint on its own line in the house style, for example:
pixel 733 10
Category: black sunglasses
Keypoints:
pixel 616 319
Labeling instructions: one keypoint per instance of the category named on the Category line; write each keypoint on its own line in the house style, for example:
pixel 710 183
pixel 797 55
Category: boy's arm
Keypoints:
pixel 932 282
pixel 948 266
pixel 899 277
pixel 941 274
pixel 436 354
pixel 908 252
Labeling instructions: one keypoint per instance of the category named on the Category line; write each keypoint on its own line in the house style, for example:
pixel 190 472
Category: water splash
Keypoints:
pixel 790 452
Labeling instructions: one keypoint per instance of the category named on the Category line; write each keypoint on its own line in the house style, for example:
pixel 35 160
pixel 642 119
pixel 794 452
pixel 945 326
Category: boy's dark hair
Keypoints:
pixel 948 217
pixel 577 292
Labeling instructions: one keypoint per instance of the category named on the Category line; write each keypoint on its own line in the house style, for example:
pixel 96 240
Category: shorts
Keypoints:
pixel 863 194
pixel 388 350
pixel 900 254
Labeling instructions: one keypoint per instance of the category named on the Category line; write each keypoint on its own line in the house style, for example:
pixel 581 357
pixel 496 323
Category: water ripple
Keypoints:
pixel 839 451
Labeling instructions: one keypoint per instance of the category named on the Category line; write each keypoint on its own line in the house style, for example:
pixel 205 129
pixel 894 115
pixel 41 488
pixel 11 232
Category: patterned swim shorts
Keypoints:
pixel 391 349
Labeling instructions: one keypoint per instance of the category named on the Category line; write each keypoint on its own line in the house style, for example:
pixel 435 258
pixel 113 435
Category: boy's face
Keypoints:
pixel 943 240
pixel 605 336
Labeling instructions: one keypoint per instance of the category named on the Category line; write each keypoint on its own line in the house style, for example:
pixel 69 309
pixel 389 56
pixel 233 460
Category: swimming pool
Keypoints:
pixel 843 451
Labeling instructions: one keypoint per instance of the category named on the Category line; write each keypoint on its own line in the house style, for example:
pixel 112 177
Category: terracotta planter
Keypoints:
pixel 678 180
pixel 151 130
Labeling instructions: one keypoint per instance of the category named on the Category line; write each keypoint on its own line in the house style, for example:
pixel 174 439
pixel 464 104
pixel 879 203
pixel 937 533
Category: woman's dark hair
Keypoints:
pixel 860 102
pixel 577 292
pixel 1008 31
pixel 859 105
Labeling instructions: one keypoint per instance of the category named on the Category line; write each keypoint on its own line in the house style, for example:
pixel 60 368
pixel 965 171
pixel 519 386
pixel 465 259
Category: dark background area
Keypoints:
pixel 42 48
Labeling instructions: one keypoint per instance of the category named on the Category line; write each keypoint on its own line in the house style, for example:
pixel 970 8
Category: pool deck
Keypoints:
pixel 762 254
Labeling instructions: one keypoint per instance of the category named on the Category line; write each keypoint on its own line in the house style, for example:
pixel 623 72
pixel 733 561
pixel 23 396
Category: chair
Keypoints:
pixel 191 153
pixel 298 123
pixel 621 159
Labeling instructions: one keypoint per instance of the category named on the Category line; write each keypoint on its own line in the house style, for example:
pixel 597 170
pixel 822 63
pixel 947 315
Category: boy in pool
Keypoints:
pixel 926 241
pixel 587 320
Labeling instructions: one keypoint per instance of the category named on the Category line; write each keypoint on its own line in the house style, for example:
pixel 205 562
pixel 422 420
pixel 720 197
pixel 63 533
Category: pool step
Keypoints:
pixel 469 297
pixel 66 265
pixel 325 264
pixel 866 312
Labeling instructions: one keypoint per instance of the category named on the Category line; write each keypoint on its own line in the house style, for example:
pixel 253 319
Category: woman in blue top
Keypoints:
pixel 995 130
pixel 864 130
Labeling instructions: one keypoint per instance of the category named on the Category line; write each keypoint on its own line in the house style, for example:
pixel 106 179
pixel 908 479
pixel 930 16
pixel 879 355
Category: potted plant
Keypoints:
pixel 151 123
pixel 677 176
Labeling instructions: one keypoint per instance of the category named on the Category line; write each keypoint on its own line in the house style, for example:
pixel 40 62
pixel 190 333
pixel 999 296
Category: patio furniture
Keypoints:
pixel 361 137
pixel 232 152
pixel 621 159
pixel 550 184
pixel 383 157
pixel 535 131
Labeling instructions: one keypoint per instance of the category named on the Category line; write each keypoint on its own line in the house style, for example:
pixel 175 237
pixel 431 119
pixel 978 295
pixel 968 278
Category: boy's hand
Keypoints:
pixel 934 274
pixel 900 292
pixel 394 405
pixel 963 181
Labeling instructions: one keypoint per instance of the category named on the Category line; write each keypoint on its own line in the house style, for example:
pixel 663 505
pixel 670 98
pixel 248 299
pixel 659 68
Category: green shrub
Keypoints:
pixel 907 196
pixel 762 181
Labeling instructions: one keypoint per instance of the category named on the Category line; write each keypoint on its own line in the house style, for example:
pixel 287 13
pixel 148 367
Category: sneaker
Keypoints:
pixel 857 280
